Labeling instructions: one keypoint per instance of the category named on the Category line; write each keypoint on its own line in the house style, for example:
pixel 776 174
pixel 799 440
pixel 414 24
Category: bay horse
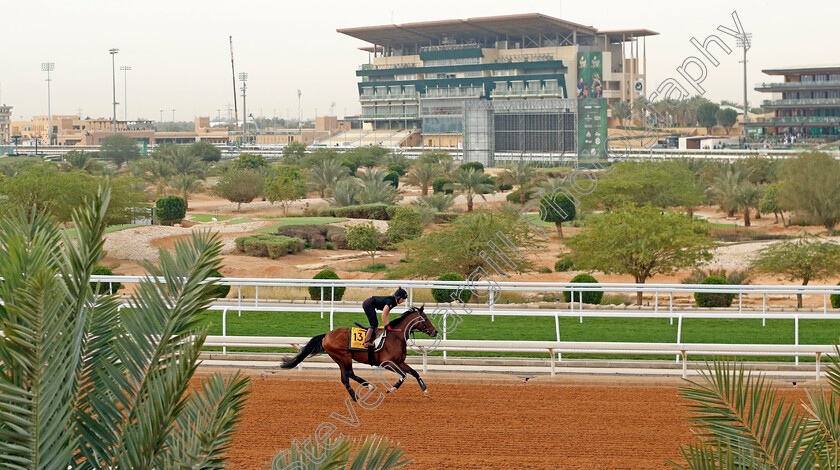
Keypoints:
pixel 336 343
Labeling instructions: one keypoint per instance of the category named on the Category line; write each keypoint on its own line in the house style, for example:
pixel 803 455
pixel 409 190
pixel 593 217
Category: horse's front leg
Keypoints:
pixel 389 365
pixel 407 369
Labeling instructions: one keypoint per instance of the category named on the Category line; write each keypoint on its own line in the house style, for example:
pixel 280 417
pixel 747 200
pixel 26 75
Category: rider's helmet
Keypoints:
pixel 400 293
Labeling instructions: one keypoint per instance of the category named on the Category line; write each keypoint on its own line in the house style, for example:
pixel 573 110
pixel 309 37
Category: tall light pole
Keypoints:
pixel 300 119
pixel 48 67
pixel 125 69
pixel 173 116
pixel 113 53
pixel 161 115
pixel 744 42
pixel 243 77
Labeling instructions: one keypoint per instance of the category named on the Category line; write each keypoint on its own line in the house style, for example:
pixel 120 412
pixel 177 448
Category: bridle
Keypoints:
pixel 420 324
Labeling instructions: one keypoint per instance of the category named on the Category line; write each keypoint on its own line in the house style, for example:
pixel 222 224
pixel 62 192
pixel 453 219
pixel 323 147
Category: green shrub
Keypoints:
pixel 835 299
pixel 270 246
pixel 315 292
pixel 221 291
pixel 504 186
pixel 439 184
pixel 315 236
pixel 514 196
pixel 446 295
pixel 589 297
pixel 170 209
pixel 564 264
pixel 443 217
pixel 394 178
pixel 397 167
pixel 329 246
pixel 476 165
pixel 104 287
pixel 362 211
pixel 544 270
pixel 617 299
pixel 706 299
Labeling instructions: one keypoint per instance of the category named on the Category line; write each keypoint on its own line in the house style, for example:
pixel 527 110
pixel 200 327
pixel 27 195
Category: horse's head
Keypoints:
pixel 422 323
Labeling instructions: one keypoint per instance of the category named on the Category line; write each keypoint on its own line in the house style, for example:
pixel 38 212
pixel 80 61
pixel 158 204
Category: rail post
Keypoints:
pixel 256 295
pixel 671 305
pixel 224 328
pixel 425 360
pixel 679 333
pixel 740 302
pixel 796 334
pixel 764 310
pixel 332 307
pixel 322 302
pixel 685 363
pixel 239 300
pixel 818 366
pixel 411 296
pixel 551 358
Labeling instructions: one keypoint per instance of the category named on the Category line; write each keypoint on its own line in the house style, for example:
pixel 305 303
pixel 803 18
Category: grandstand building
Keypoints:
pixel 806 102
pixel 420 76
pixel 5 124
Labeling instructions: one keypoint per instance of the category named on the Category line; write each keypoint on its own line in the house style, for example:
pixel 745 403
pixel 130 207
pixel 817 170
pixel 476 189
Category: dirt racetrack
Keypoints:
pixel 479 423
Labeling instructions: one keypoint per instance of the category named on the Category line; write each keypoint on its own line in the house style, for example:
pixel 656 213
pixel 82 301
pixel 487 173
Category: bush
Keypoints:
pixel 477 165
pixel 398 168
pixel 835 299
pixel 362 211
pixel 503 186
pixel 439 184
pixel 315 292
pixel 330 246
pixel 514 196
pixel 271 246
pixel 544 270
pixel 170 209
pixel 704 299
pixel 446 295
pixel 443 217
pixel 617 299
pixel 589 297
pixel 564 264
pixel 220 292
pixel 394 178
pixel 104 287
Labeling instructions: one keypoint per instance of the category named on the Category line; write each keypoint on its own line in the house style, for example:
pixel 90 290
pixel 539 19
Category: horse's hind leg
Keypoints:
pixel 352 375
pixel 407 368
pixel 345 364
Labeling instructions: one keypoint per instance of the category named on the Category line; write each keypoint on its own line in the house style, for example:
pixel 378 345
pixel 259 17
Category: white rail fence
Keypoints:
pixel 662 297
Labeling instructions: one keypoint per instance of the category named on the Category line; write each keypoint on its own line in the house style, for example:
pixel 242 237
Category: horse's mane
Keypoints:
pixel 397 321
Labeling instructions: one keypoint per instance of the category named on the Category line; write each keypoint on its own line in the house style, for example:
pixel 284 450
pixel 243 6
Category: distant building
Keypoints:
pixel 5 124
pixel 70 130
pixel 421 75
pixel 807 102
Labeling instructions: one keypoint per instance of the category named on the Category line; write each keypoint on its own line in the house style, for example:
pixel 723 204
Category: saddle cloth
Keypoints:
pixel 357 339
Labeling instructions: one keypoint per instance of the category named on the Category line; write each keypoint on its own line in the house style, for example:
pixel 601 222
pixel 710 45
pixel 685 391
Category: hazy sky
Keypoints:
pixel 179 51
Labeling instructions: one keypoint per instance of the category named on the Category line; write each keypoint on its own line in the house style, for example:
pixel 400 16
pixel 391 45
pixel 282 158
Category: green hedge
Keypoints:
pixel 438 184
pixel 475 165
pixel 104 287
pixel 271 246
pixel 362 211
pixel 220 291
pixel 589 297
pixel 316 236
pixel 706 299
pixel 835 299
pixel 394 178
pixel 563 264
pixel 315 291
pixel 170 209
pixel 446 295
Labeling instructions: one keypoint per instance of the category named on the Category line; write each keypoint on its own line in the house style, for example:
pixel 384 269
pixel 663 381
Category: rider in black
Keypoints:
pixel 384 303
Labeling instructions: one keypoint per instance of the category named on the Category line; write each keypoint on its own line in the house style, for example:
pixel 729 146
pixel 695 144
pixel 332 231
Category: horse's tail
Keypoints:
pixel 313 347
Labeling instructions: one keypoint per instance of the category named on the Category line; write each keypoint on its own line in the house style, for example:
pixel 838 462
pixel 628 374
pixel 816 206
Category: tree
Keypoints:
pixel 324 175
pixel 344 192
pixel 184 162
pixel 642 242
pixel 155 171
pixel 285 186
pixel 78 160
pixel 170 209
pixel 622 111
pixel 770 203
pixel 741 421
pixel 206 152
pixel 726 118
pixel 520 175
pixel 423 174
pixel 88 385
pixel 406 224
pixel 250 161
pixel 441 202
pixel 706 115
pixel 747 197
pixel 119 148
pixel 374 189
pixel 471 182
pixel 367 157
pixel 185 184
pixel 442 159
pixel 376 452
pixel 458 246
pixel 726 189
pixel 240 186
pixel 661 184
pixel 293 152
pixel 809 187
pixel 558 208
pixel 805 259
pixel 363 237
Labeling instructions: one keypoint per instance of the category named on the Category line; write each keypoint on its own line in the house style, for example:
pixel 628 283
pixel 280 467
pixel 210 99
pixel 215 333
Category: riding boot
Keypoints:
pixel 369 337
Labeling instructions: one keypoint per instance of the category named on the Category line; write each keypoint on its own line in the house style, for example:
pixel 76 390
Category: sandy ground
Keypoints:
pixel 489 424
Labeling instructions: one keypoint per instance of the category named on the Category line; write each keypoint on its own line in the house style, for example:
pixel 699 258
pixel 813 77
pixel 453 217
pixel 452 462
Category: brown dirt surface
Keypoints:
pixel 471 424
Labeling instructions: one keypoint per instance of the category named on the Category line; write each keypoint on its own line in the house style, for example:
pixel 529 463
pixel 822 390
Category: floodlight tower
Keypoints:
pixel 48 67
pixel 114 53
pixel 744 42
pixel 125 69
pixel 243 77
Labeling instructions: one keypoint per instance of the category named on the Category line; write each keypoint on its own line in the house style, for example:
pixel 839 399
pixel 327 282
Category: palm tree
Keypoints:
pixel 375 189
pixel 185 184
pixel 725 190
pixel 743 422
pixel 471 182
pixel 184 162
pixel 423 175
pixel 344 192
pixel 324 175
pixel 747 197
pixel 374 452
pixel 86 385
pixel 76 160
pixel 521 175
pixel 155 172
pixel 441 202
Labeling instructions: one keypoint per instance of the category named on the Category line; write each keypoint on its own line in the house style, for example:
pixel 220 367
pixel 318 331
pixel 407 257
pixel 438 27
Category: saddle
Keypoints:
pixel 357 339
